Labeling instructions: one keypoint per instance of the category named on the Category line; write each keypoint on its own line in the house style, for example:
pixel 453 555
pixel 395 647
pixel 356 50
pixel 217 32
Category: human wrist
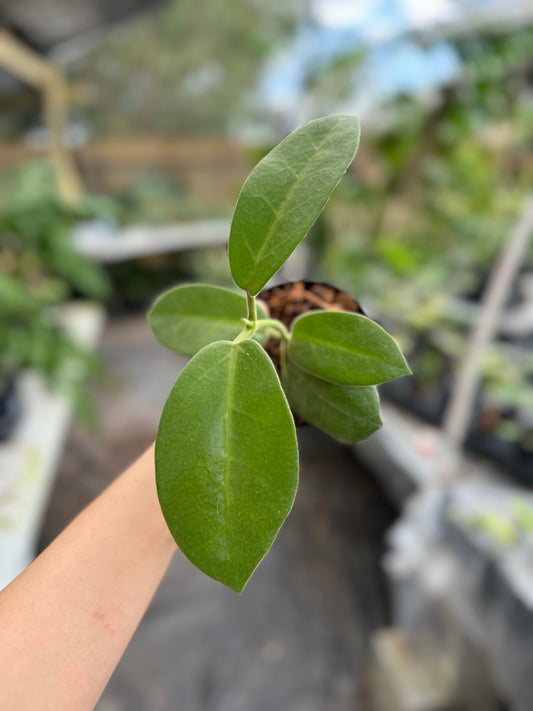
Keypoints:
pixel 140 479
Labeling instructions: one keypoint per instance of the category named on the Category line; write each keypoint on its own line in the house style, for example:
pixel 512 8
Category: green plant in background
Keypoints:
pixel 503 528
pixel 40 270
pixel 417 226
pixel 441 182
pixel 226 451
pixel 495 526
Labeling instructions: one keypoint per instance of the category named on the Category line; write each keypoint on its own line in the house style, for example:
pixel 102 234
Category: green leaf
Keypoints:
pixel 349 414
pixel 189 317
pixel 15 298
pixel 284 195
pixel 226 460
pixel 345 348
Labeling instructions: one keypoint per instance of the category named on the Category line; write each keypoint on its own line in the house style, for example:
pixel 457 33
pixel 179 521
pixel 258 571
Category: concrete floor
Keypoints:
pixel 297 639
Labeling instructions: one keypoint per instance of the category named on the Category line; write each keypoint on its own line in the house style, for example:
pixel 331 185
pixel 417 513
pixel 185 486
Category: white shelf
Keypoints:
pixel 99 241
pixel 28 459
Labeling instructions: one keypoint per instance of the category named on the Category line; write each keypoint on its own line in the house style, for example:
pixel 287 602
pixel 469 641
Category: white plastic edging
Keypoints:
pixel 28 460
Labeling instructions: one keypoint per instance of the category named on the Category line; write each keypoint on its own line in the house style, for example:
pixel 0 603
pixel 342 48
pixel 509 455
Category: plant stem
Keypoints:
pixel 250 323
pixel 283 357
pixel 270 324
pixel 252 309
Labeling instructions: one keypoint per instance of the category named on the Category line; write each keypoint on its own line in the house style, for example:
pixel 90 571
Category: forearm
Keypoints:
pixel 65 622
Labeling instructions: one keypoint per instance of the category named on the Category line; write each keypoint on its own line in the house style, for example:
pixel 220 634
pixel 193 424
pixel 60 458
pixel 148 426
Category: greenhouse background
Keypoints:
pixel 403 579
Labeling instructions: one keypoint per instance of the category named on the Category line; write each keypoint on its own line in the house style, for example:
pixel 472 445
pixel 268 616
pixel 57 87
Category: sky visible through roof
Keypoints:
pixel 394 62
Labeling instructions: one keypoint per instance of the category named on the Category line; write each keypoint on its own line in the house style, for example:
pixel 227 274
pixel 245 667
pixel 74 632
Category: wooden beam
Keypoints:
pixel 48 79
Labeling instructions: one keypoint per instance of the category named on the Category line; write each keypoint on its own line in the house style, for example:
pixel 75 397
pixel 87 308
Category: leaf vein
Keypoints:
pixel 299 179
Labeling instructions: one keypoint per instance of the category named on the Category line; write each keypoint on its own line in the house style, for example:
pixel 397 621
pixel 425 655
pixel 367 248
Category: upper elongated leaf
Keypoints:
pixel 284 195
pixel 347 413
pixel 226 460
pixel 345 348
pixel 187 318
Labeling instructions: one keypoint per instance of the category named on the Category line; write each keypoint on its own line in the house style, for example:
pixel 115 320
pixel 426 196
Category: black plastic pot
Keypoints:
pixel 424 401
pixel 512 458
pixel 10 405
pixel 427 398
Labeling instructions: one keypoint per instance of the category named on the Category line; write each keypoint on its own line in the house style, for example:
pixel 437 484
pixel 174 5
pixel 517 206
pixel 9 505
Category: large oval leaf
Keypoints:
pixel 226 460
pixel 345 348
pixel 284 195
pixel 349 414
pixel 189 317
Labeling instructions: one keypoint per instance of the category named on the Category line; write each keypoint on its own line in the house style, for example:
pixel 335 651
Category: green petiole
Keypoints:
pixel 250 322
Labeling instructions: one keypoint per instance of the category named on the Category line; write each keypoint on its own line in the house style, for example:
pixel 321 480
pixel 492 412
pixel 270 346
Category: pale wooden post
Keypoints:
pixel 459 410
pixel 48 79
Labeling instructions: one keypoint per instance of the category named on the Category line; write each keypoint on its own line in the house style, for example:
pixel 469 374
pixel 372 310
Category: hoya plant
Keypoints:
pixel 226 452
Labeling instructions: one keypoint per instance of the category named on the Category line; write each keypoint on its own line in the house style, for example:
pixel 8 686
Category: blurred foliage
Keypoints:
pixel 186 68
pixel 36 241
pixel 40 270
pixel 39 229
pixel 435 195
pixel 501 528
pixel 416 227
